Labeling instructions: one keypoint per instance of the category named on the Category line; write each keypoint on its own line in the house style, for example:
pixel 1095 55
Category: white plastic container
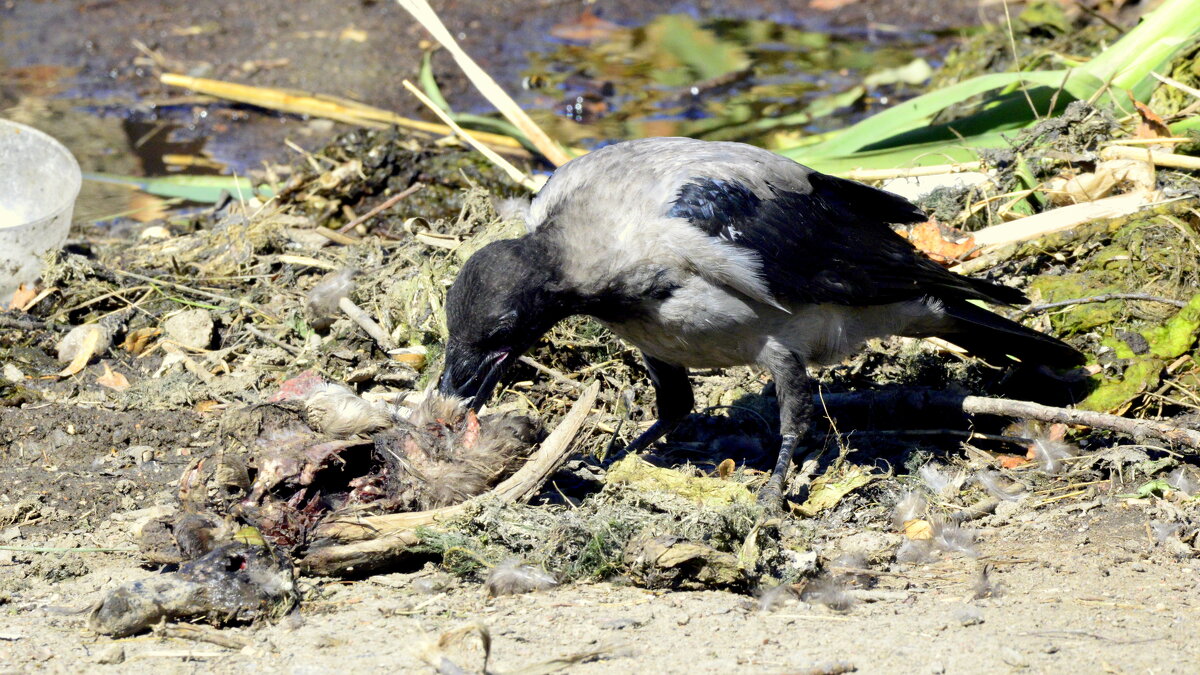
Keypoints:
pixel 39 181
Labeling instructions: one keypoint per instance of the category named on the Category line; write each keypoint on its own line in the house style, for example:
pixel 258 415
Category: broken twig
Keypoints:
pixel 916 403
pixel 1057 220
pixel 422 12
pixel 515 174
pixel 1155 157
pixel 329 107
pixel 1102 298
pixel 359 316
pixel 187 631
pixel 387 204
pixel 388 534
pixel 552 373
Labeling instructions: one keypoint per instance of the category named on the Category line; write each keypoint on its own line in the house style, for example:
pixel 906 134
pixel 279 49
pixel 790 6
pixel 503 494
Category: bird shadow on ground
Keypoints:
pixel 875 419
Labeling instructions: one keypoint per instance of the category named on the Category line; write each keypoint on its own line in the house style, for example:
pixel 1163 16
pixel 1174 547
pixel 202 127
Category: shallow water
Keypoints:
pixel 71 70
pixel 723 79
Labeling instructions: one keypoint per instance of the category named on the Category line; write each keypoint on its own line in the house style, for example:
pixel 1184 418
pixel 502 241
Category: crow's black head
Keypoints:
pixel 506 297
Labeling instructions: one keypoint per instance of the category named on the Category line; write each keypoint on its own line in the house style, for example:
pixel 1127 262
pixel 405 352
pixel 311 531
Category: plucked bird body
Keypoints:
pixel 705 254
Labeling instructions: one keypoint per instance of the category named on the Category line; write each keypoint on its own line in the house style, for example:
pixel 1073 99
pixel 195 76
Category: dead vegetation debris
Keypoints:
pixel 317 421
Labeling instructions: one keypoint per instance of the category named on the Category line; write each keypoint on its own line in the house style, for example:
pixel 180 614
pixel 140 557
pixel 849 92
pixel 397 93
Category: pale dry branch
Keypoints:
pixel 385 536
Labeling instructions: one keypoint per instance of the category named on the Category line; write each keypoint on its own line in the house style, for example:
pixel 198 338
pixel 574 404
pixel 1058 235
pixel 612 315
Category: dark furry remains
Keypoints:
pixel 444 454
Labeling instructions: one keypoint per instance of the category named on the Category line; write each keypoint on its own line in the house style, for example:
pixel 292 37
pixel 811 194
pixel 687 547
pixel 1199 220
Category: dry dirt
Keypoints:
pixel 1079 583
pixel 1081 587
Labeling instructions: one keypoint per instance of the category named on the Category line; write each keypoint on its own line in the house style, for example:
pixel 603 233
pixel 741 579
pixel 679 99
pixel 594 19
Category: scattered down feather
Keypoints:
pixel 337 411
pixel 918 551
pixel 1051 454
pixel 852 570
pixel 443 453
pixel 1181 479
pixel 1164 531
pixel 827 591
pixel 513 577
pixel 1000 487
pixel 777 597
pixel 951 538
pixel 947 538
pixel 323 299
pixel 910 507
pixel 939 480
pixel 985 586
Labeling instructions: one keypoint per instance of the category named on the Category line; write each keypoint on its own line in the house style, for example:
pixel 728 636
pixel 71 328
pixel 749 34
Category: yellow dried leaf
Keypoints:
pixel 918 529
pixel 725 468
pixel 639 474
pixel 86 351
pixel 112 379
pixel 250 536
pixel 827 490
pixel 206 406
pixel 22 297
pixel 413 357
pixel 350 34
pixel 137 340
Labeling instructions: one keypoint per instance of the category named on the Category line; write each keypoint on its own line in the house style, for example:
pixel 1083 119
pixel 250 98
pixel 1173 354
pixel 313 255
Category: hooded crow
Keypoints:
pixel 707 255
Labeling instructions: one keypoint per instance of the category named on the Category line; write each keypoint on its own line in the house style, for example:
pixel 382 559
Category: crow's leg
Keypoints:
pixel 795 415
pixel 674 397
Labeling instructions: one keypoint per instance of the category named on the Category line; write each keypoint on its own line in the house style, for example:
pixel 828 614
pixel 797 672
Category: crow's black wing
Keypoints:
pixel 827 240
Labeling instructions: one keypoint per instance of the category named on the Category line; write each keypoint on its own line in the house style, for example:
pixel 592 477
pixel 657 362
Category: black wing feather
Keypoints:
pixel 829 244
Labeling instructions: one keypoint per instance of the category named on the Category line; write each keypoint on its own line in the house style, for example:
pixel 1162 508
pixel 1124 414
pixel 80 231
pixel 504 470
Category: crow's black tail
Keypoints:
pixel 995 338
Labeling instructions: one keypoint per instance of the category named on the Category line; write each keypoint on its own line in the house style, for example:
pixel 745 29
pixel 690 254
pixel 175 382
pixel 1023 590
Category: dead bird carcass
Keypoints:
pixel 322 449
pixel 314 451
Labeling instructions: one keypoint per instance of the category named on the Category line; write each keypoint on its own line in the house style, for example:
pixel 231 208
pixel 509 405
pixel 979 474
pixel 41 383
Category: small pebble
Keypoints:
pixel 1013 657
pixel 191 328
pixel 111 655
pixel 969 616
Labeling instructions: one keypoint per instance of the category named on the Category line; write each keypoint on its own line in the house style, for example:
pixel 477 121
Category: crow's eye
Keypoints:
pixel 502 326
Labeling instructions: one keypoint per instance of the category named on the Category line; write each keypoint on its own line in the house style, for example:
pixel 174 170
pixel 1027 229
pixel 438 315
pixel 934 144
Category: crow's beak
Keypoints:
pixel 471 375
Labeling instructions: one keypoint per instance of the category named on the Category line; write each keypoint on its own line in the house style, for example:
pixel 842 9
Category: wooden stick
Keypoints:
pixel 914 403
pixel 386 204
pixel 1060 219
pixel 518 487
pixel 329 107
pixel 359 316
pixel 554 374
pixel 187 631
pixel 336 237
pixel 1138 429
pixel 272 340
pixel 1066 238
pixel 1155 157
pixel 551 150
pixel 914 172
pixel 504 165
pixel 1102 298
pixel 1177 84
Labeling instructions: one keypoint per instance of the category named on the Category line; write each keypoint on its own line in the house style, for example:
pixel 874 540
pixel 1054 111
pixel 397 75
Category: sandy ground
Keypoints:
pixel 1078 592
pixel 1081 586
